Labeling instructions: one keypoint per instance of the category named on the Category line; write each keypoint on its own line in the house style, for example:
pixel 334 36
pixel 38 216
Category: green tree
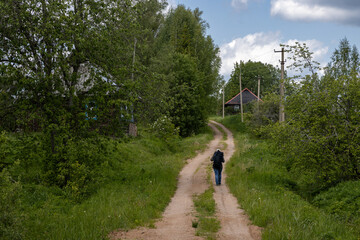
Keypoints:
pixel 60 54
pixel 321 136
pixel 64 63
pixel 147 63
pixel 250 71
pixel 302 60
pixel 344 60
pixel 188 61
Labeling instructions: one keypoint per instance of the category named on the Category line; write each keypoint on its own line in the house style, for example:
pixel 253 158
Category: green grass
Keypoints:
pixel 266 192
pixel 138 181
pixel 206 224
pixel 343 200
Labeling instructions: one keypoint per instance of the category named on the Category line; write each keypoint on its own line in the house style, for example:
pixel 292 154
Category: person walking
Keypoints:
pixel 217 159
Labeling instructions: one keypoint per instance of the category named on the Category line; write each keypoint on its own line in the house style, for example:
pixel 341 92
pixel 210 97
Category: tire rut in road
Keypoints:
pixel 234 222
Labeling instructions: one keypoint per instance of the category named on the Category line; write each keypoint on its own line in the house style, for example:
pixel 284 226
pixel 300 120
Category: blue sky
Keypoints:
pixel 252 29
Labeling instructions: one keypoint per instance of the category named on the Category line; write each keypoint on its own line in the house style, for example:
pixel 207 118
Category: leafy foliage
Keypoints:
pixel 54 60
pixel 345 60
pixel 264 112
pixel 72 71
pixel 188 60
pixel 302 59
pixel 320 138
pixel 74 74
pixel 110 184
pixel 269 193
pixel 163 128
pixel 250 71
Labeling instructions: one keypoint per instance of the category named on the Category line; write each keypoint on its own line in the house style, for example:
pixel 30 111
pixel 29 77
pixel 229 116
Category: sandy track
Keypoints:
pixel 234 223
pixel 176 222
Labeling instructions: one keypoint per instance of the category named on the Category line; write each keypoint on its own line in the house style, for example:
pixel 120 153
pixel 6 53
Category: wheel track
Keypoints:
pixel 176 222
pixel 234 222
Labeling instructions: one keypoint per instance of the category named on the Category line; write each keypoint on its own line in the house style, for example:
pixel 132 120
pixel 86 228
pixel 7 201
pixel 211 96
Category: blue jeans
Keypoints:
pixel 217 175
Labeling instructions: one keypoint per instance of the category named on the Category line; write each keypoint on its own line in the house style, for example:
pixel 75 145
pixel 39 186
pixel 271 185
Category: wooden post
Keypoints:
pixel 258 100
pixel 241 101
pixel 133 61
pixel 223 105
pixel 132 126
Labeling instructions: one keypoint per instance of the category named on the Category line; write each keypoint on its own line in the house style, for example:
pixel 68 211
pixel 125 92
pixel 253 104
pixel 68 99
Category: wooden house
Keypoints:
pixel 247 96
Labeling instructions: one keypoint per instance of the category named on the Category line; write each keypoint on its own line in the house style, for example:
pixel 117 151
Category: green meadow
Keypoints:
pixel 269 195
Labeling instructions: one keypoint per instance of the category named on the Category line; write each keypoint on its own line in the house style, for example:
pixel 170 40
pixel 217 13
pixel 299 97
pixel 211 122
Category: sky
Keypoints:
pixel 252 29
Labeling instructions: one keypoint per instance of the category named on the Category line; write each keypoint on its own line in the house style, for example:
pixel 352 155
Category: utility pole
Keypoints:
pixel 133 60
pixel 241 100
pixel 282 92
pixel 223 93
pixel 258 100
pixel 132 125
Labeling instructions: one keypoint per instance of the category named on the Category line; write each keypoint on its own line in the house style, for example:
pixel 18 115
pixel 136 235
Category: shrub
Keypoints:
pixel 77 168
pixel 164 128
pixel 264 112
pixel 320 138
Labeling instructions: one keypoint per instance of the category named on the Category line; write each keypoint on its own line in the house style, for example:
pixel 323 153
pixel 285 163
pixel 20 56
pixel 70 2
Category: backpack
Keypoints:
pixel 217 158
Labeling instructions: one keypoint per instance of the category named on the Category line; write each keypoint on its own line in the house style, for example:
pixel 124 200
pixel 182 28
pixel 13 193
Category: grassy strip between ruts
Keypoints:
pixel 263 190
pixel 143 177
pixel 206 224
pixel 219 128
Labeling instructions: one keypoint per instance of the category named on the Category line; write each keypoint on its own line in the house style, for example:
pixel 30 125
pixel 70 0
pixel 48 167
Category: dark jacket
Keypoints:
pixel 218 159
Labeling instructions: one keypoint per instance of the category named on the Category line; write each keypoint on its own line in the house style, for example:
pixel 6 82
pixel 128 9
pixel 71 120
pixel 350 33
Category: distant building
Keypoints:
pixel 247 96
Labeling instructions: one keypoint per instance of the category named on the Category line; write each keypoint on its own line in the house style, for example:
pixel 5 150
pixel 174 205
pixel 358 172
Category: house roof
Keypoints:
pixel 247 96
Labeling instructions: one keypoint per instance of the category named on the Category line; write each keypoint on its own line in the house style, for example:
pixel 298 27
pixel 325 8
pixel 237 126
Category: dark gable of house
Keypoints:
pixel 247 96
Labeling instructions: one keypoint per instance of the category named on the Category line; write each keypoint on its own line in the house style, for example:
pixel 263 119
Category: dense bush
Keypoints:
pixel 264 112
pixel 320 139
pixel 104 184
pixel 73 165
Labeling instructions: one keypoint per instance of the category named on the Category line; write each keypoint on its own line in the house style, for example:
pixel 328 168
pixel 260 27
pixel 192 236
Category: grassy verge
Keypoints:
pixel 265 191
pixel 206 224
pixel 140 179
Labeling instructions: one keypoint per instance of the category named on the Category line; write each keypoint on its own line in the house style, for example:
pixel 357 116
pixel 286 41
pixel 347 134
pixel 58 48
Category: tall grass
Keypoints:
pixel 266 192
pixel 207 224
pixel 138 180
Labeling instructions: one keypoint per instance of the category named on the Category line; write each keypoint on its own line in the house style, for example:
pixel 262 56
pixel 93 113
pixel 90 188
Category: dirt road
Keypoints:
pixel 176 222
pixel 234 223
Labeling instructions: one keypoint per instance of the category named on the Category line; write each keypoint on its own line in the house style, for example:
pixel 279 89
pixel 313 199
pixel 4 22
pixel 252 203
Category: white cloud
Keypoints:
pixel 260 47
pixel 317 10
pixel 239 4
